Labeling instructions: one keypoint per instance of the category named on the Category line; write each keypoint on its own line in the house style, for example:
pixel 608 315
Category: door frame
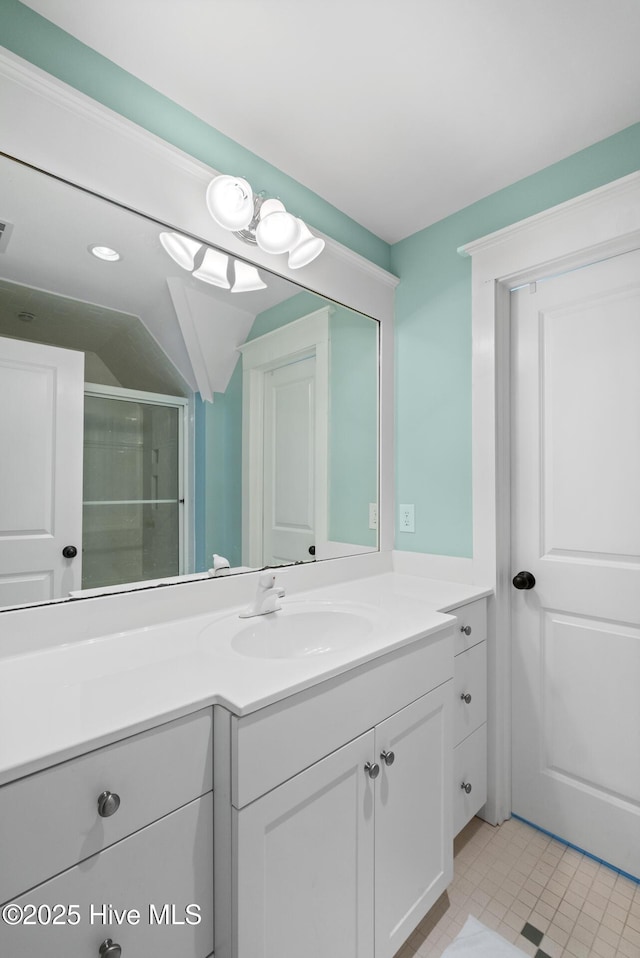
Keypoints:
pixel 301 339
pixel 185 447
pixel 602 223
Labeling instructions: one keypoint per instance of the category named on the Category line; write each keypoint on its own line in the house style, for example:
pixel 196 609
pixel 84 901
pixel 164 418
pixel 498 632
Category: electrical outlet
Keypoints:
pixel 407 518
pixel 373 515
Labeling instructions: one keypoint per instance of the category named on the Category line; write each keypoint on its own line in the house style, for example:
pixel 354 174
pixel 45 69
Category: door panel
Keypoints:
pixel 305 861
pixel 576 527
pixel 289 462
pixel 414 858
pixel 41 403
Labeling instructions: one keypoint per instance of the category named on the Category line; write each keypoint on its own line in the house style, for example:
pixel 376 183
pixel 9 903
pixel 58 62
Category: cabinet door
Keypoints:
pixel 413 820
pixel 169 863
pixel 305 862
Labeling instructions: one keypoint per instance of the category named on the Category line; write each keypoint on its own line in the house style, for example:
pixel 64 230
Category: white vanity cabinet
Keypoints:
pixel 122 828
pixel 339 812
pixel 470 712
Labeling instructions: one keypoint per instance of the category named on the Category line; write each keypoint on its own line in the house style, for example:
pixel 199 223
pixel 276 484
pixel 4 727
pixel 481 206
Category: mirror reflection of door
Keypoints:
pixel 285 412
pixel 132 500
pixel 289 462
pixel 41 399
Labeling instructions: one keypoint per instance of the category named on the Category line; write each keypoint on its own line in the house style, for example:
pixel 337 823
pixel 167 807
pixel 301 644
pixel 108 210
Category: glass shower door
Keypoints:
pixel 132 497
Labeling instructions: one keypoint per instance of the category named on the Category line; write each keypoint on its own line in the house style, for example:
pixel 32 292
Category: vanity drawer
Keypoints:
pixel 472 616
pixel 469 768
pixel 275 743
pixel 470 680
pixel 170 862
pixel 50 820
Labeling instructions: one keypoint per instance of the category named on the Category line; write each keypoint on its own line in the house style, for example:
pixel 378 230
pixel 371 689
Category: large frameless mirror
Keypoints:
pixel 162 403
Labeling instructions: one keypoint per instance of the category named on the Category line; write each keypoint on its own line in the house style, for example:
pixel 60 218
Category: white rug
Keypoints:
pixel 477 941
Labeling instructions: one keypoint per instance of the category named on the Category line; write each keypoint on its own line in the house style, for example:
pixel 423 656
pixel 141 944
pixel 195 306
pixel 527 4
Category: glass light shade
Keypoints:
pixel 271 206
pixel 306 249
pixel 277 232
pixel 181 249
pixel 213 269
pixel 230 202
pixel 247 278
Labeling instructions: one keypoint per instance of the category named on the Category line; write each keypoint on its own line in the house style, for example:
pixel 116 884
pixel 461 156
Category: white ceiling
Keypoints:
pixel 398 113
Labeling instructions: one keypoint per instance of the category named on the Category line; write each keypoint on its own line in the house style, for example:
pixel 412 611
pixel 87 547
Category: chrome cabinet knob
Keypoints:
pixel 372 769
pixel 108 804
pixel 466 697
pixel 466 629
pixel 388 757
pixel 466 787
pixel 109 949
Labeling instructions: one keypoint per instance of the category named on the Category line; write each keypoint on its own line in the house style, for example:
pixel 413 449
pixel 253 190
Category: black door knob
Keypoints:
pixel 524 580
pixel 69 552
pixel 312 550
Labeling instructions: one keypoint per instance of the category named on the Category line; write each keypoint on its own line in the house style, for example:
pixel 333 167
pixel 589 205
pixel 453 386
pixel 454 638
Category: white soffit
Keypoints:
pixel 212 333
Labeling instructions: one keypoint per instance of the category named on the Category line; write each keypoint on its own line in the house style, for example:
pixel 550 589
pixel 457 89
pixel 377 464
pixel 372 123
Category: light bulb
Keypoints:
pixel 306 249
pixel 181 249
pixel 277 232
pixel 213 269
pixel 230 202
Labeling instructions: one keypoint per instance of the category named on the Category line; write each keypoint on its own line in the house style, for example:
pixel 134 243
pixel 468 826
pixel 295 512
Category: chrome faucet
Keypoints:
pixel 266 599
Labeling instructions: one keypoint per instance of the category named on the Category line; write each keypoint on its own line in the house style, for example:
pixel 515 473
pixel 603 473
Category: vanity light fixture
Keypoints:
pixel 105 253
pixel 259 221
pixel 213 265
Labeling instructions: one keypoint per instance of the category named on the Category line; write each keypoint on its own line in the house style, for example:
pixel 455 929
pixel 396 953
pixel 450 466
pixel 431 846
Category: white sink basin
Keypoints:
pixel 295 631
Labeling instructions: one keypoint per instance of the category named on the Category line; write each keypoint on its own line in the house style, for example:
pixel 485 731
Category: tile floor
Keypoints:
pixel 516 879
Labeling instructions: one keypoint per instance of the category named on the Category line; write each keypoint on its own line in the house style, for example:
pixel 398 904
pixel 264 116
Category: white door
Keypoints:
pixel 41 428
pixel 413 817
pixel 289 462
pixel 305 862
pixel 576 528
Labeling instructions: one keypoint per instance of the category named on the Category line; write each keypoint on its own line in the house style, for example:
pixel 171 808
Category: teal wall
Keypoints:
pixel 353 433
pixel 433 304
pixel 222 466
pixel 353 426
pixel 39 41
pixel 433 341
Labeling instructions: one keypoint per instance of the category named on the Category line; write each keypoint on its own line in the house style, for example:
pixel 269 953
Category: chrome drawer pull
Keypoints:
pixel 466 697
pixel 109 949
pixel 388 757
pixel 108 804
pixel 466 787
pixel 466 629
pixel 372 769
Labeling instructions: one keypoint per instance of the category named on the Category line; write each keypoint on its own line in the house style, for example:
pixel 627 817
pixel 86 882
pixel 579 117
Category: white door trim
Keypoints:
pixel 307 336
pixel 601 223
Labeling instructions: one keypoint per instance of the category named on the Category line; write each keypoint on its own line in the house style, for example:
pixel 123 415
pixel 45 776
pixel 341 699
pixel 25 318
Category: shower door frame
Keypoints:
pixel 185 445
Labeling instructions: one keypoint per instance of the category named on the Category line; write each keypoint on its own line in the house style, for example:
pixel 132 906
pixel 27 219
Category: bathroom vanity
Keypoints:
pixel 312 796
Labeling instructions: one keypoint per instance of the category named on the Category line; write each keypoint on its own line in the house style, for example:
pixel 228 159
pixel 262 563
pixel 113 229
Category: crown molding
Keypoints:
pixel 621 195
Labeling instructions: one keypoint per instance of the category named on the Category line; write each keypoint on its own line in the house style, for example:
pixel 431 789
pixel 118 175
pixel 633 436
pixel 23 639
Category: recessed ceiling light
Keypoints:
pixel 106 253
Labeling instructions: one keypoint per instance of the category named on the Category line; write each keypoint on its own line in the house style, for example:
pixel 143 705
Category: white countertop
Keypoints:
pixel 59 701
